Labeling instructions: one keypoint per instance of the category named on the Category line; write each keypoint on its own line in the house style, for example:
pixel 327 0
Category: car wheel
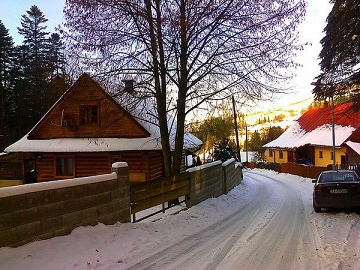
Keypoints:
pixel 317 209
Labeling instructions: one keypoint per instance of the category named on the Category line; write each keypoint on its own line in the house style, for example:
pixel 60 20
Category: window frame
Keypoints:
pixel 281 154
pixel 86 115
pixel 66 173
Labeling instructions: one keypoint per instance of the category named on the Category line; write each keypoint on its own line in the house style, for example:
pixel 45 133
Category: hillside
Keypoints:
pixel 278 116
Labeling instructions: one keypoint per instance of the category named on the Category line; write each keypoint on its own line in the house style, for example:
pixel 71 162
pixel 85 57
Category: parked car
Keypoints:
pixel 336 189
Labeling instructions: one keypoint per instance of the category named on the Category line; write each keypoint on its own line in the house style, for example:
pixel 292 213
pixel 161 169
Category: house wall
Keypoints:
pixel 327 155
pixel 276 156
pixel 143 165
pixel 63 121
pixel 45 210
pixel 353 157
pixel 269 158
pixel 312 153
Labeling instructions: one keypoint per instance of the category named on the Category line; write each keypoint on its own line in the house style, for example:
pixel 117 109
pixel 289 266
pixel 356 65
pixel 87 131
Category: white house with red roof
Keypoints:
pixel 309 140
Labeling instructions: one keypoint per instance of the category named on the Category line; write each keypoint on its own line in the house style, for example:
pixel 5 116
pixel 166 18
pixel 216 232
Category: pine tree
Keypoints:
pixel 340 54
pixel 6 63
pixel 59 80
pixel 32 91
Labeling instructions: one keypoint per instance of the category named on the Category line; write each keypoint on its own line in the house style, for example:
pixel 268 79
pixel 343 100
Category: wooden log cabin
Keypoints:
pixel 87 130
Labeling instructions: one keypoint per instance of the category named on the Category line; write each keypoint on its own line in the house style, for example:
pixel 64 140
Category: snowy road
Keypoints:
pixel 267 222
pixel 274 230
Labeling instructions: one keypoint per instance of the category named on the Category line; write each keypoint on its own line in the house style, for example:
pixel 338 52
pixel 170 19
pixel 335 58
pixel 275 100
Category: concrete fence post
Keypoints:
pixel 122 171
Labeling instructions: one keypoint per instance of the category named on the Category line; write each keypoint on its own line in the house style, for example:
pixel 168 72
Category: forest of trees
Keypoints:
pixel 218 132
pixel 32 75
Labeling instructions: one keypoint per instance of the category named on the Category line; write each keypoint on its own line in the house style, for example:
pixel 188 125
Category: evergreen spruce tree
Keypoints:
pixel 6 65
pixel 32 88
pixel 340 54
pixel 59 80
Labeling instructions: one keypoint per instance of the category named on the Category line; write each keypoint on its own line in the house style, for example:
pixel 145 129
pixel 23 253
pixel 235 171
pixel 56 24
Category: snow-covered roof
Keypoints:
pixel 95 144
pixel 354 146
pixel 315 128
pixel 143 110
pixel 295 136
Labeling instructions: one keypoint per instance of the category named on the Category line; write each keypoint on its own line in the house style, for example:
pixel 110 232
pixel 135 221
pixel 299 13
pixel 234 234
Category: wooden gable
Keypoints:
pixel 87 111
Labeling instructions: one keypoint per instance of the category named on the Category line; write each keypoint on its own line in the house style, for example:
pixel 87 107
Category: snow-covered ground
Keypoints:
pixel 267 222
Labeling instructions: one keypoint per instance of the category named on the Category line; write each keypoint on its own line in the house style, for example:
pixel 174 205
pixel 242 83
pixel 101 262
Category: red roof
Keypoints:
pixel 343 116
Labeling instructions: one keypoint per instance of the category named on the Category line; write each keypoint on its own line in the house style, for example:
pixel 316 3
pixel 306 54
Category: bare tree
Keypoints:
pixel 187 53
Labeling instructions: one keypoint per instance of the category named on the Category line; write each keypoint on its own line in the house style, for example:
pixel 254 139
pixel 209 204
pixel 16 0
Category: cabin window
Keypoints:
pixel 65 166
pixel 320 154
pixel 271 153
pixel 281 154
pixel 89 115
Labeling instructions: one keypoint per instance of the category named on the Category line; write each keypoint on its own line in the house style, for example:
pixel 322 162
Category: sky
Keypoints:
pixel 311 31
pixel 122 245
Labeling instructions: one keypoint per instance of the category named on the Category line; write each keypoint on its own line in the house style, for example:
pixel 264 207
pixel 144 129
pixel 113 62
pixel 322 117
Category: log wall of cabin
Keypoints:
pixel 156 168
pixel 63 121
pixel 148 163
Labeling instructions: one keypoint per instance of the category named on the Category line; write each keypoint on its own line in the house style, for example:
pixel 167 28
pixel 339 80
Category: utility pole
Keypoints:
pixel 333 133
pixel 246 143
pixel 236 130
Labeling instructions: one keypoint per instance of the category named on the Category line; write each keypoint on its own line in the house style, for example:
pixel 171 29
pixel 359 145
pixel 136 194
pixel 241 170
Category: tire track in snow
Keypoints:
pixel 207 248
pixel 287 241
pixel 272 231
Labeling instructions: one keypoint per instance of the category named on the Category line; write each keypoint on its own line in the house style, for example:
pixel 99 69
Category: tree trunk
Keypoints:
pixel 179 140
pixel 160 84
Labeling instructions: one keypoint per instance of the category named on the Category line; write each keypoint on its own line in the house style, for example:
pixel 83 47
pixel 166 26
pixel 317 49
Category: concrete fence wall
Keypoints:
pixel 212 180
pixel 232 174
pixel 45 210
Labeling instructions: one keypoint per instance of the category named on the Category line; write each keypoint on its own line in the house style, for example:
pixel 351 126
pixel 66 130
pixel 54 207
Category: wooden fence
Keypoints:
pixel 302 170
pixel 158 192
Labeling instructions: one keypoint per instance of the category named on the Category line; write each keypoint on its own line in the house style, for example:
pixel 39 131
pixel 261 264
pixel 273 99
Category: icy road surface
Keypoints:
pixel 276 229
pixel 267 222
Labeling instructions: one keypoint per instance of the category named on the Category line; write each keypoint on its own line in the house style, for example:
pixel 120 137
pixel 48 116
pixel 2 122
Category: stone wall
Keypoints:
pixel 232 174
pixel 212 180
pixel 49 209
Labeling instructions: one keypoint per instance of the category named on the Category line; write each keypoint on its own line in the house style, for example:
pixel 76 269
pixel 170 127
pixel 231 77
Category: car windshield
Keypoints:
pixel 338 177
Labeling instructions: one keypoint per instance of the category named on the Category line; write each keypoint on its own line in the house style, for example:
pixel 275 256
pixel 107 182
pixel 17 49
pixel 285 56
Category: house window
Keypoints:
pixel 332 156
pixel 271 153
pixel 320 154
pixel 88 115
pixel 281 154
pixel 64 166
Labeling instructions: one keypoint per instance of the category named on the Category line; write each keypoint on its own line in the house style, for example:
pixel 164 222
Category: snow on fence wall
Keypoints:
pixel 45 210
